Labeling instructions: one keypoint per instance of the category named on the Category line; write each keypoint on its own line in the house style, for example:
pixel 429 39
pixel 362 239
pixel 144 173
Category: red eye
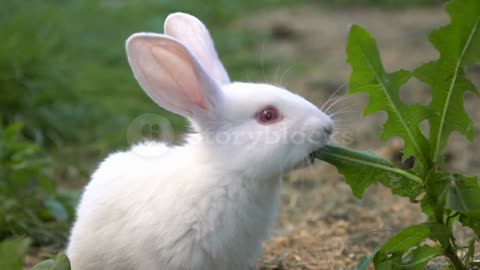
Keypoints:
pixel 267 115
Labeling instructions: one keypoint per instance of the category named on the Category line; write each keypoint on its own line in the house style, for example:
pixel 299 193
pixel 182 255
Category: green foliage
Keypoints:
pixel 459 46
pixel 445 197
pixel 61 262
pixel 29 202
pixel 397 253
pixel 363 168
pixel 12 252
pixel 35 72
pixel 369 76
pixel 64 72
pixel 383 3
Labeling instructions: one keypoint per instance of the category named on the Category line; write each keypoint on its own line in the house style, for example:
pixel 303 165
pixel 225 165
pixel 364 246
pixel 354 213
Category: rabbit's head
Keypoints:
pixel 244 124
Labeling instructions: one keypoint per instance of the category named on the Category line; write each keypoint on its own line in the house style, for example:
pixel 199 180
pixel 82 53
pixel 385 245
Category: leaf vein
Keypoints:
pixel 450 90
pixel 394 107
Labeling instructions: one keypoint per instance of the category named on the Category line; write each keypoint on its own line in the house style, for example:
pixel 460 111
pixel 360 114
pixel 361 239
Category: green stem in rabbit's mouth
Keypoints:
pixel 342 157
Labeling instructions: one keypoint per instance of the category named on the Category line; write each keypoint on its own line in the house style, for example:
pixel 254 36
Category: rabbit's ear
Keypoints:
pixel 194 35
pixel 172 76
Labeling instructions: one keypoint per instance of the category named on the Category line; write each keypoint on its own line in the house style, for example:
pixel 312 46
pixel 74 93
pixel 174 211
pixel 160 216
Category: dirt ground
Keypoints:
pixel 321 224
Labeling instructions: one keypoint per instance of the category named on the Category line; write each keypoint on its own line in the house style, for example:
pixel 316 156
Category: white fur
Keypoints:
pixel 209 203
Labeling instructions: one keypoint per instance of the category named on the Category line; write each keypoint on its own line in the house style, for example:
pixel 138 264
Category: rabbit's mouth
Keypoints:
pixel 310 158
pixel 306 162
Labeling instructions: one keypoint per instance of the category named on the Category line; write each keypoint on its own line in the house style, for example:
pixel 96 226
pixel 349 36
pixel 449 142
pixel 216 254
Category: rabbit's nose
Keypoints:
pixel 328 129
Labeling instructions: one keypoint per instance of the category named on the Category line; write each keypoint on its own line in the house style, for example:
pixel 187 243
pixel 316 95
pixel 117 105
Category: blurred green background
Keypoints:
pixel 67 93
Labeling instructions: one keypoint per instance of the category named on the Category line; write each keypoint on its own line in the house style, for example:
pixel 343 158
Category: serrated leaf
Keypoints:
pixel 459 46
pixel 362 168
pixel 12 252
pixel 369 76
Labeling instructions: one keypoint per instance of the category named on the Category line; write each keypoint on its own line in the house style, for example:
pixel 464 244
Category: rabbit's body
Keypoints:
pixel 203 217
pixel 208 204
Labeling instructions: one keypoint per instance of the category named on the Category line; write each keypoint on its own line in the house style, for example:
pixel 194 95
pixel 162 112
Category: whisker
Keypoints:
pixel 343 108
pixel 333 94
pixel 342 121
pixel 262 58
pixel 285 73
pixel 341 87
pixel 275 79
pixel 343 112
pixel 336 101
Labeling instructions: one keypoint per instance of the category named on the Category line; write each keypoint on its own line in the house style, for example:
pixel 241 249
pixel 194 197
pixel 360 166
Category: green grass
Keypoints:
pixel 383 3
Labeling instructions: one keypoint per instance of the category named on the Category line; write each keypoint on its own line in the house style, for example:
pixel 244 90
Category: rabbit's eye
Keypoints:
pixel 268 115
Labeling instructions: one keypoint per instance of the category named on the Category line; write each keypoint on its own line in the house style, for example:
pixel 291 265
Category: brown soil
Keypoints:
pixel 321 224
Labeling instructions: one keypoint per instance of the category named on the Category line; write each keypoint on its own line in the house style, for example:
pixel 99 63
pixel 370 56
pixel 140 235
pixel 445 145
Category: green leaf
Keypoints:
pixel 463 195
pixel 396 246
pixel 61 262
pixel 418 258
pixel 406 239
pixel 472 222
pixel 439 232
pixel 44 265
pixel 362 168
pixel 433 203
pixel 459 46
pixel 369 76
pixel 386 265
pixel 12 253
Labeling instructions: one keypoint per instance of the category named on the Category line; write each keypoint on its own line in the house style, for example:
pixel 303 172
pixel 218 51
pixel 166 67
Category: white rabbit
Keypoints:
pixel 209 203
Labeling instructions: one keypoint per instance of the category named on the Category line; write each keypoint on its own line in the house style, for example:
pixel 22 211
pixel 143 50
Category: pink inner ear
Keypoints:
pixel 169 75
pixel 177 68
